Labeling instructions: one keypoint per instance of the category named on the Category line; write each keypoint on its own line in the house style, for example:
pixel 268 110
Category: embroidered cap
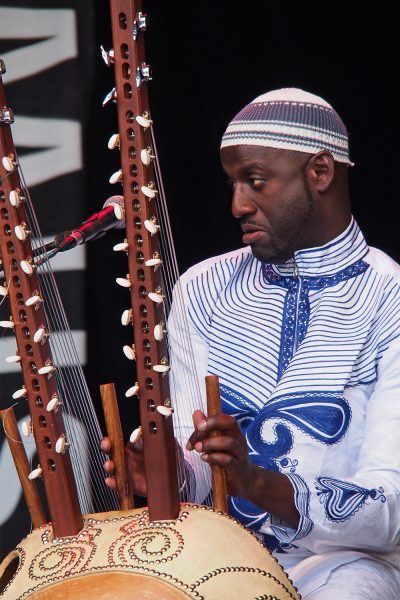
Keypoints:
pixel 291 119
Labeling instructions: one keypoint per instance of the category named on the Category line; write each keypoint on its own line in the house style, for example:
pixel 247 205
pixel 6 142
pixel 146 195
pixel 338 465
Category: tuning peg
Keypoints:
pixel 154 262
pixel 156 296
pixel 21 393
pixel 139 24
pixel 48 369
pixel 7 324
pixel 165 411
pixel 124 282
pixel 34 300
pixel 40 336
pixel 53 404
pixel 159 331
pixel 35 473
pixel 27 266
pixel 16 197
pixel 163 367
pixel 108 56
pixel 116 177
pixel 127 317
pixel 122 247
pixel 149 190
pixel 143 73
pixel 9 163
pixel 144 120
pixel 146 156
pixel 132 391
pixel 111 97
pixel 151 225
pixel 129 352
pixel 61 444
pixel 13 359
pixel 27 428
pixel 135 435
pixel 21 231
pixel 3 290
pixel 114 141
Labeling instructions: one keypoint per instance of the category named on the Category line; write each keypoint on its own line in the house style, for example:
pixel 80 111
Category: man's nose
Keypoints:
pixel 241 203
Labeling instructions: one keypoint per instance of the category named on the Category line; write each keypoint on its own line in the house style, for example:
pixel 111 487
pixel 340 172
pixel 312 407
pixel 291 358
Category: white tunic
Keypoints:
pixel 307 354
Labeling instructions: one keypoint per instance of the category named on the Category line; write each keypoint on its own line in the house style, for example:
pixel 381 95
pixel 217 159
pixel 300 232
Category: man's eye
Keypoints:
pixel 257 182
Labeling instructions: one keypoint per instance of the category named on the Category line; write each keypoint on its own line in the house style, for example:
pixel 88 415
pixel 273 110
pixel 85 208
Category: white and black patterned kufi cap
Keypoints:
pixel 291 119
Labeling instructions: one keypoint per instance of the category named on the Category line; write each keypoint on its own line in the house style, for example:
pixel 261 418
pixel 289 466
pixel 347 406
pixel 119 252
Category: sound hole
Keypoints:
pixel 4 213
pixel 152 427
pixel 140 275
pixel 126 71
pixel 145 327
pixel 129 116
pixel 51 465
pixel 42 421
pixel 149 383
pixel 151 406
pixel 124 51
pixel 127 90
pixel 46 442
pixel 19 297
pixel 123 22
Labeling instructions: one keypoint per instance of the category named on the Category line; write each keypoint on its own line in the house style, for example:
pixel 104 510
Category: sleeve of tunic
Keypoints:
pixel 361 510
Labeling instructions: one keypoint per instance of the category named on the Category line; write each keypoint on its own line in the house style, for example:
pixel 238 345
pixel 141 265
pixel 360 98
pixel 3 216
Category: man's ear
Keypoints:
pixel 321 170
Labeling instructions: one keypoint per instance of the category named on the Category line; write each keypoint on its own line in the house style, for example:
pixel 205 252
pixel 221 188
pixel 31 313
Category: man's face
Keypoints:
pixel 272 199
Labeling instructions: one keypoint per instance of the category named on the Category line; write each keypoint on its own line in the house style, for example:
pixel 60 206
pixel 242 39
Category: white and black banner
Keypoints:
pixel 47 47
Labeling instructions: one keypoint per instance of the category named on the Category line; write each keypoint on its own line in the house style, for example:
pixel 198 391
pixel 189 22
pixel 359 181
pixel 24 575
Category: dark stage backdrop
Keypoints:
pixel 209 59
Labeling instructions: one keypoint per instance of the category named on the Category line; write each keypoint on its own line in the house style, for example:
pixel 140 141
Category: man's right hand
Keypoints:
pixel 135 463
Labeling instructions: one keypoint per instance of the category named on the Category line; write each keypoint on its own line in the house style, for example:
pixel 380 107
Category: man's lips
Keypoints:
pixel 251 234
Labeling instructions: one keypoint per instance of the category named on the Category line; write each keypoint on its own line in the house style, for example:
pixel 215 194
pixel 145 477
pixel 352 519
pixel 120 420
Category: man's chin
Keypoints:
pixel 269 256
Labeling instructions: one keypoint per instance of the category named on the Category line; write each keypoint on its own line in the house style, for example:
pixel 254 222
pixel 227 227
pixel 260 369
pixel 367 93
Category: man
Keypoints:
pixel 302 328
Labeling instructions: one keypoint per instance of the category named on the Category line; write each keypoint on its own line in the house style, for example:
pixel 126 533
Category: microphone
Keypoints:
pixel 111 216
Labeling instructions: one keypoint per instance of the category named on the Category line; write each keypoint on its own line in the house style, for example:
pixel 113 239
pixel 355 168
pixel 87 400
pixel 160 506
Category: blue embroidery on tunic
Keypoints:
pixel 323 416
pixel 296 310
pixel 342 499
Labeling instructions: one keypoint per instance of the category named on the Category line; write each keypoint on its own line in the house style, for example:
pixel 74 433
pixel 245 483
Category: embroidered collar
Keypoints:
pixel 338 254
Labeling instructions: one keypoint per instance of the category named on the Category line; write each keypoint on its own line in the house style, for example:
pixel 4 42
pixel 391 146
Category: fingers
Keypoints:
pixel 105 445
pixel 226 444
pixel 204 427
pixel 111 483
